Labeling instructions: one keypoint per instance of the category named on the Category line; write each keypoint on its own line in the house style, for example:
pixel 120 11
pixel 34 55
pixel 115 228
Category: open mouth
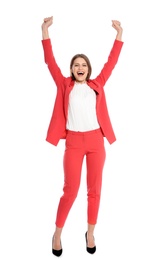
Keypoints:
pixel 80 73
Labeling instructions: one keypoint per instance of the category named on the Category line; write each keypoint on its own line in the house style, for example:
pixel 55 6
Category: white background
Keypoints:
pixel 31 173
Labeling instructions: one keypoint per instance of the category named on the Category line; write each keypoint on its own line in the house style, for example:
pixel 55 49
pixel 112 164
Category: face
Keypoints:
pixel 80 70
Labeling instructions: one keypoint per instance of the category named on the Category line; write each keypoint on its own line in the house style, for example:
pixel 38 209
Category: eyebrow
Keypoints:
pixel 84 63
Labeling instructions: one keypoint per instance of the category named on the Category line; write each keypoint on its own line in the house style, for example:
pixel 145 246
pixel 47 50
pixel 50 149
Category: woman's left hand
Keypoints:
pixel 116 25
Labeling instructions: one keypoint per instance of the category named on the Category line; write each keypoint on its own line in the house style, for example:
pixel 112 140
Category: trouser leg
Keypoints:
pixel 95 162
pixel 73 159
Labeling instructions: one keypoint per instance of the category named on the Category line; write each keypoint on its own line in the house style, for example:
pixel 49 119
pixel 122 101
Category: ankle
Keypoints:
pixel 56 237
pixel 90 234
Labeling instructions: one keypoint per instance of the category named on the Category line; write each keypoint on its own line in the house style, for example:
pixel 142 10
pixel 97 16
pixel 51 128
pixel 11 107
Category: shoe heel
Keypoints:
pixel 90 250
pixel 57 252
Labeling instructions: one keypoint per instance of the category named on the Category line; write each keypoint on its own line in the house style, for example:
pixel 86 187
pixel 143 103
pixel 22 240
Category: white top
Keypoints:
pixel 82 109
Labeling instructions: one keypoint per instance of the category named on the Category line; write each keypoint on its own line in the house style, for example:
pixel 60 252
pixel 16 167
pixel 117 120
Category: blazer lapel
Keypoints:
pixel 69 87
pixel 94 86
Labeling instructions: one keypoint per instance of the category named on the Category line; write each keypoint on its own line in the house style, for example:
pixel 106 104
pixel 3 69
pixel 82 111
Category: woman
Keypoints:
pixel 81 117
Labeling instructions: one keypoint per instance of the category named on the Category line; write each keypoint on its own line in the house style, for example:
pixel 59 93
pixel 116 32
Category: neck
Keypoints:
pixel 80 82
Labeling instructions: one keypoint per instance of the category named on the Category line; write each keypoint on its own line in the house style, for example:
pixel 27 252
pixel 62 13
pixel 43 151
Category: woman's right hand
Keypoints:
pixel 45 25
pixel 47 22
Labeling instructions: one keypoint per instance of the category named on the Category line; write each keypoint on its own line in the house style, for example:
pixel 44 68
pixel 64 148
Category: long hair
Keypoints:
pixel 87 61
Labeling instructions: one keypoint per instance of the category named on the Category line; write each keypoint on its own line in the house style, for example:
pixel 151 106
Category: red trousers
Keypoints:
pixel 78 145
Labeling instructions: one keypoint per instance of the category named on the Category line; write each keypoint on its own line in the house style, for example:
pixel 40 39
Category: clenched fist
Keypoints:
pixel 116 25
pixel 47 22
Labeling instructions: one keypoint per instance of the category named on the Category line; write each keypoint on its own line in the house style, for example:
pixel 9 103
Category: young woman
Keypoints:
pixel 81 117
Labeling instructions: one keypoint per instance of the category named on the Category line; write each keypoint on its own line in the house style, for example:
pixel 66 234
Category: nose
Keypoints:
pixel 80 67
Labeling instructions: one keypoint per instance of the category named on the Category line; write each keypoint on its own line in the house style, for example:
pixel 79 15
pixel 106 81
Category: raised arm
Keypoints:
pixel 48 52
pixel 113 56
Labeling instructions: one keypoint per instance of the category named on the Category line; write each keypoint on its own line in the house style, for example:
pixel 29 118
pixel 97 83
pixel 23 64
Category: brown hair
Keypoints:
pixel 87 61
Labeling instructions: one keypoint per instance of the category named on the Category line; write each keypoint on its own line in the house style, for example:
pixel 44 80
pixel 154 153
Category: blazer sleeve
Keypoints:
pixel 51 62
pixel 110 64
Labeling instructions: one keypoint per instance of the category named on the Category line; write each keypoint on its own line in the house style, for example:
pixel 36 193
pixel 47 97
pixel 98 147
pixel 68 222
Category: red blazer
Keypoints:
pixel 57 126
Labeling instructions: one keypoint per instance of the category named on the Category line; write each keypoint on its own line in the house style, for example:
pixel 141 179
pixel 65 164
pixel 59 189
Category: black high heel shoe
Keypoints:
pixel 56 252
pixel 90 250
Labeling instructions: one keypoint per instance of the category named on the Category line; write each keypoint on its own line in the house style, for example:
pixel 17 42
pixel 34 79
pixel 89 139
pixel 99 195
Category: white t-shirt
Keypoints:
pixel 82 109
